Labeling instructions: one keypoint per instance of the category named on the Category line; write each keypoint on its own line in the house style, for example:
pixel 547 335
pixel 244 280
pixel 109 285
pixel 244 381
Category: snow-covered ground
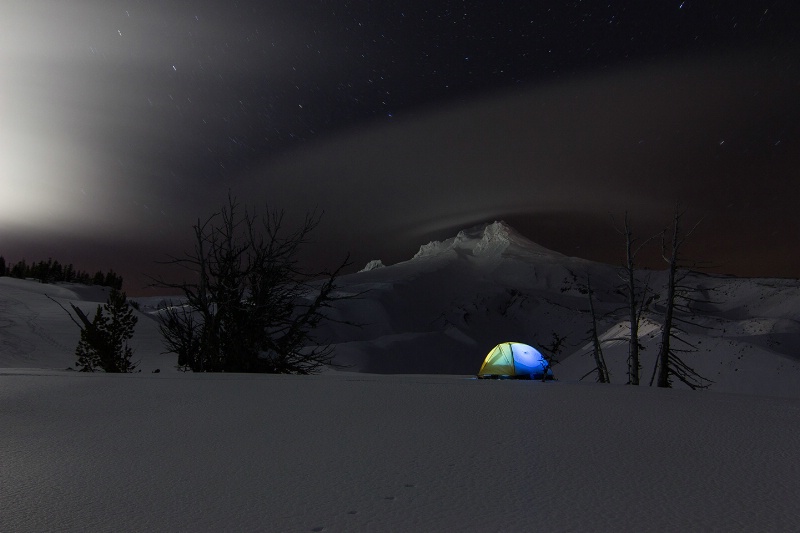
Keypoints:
pixel 360 452
pixel 405 439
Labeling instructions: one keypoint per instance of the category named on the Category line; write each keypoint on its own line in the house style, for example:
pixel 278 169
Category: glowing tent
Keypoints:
pixel 516 361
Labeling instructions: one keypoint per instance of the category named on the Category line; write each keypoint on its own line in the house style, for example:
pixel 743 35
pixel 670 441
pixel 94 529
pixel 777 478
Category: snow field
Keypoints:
pixel 361 452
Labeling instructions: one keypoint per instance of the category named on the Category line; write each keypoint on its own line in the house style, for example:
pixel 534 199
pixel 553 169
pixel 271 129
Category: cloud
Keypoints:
pixel 638 140
pixel 128 122
pixel 622 137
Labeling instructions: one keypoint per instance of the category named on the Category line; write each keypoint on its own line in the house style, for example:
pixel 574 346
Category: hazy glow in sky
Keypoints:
pixel 55 180
pixel 123 122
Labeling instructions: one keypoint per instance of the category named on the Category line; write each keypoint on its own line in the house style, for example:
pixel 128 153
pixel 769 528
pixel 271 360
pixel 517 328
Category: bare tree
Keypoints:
pixel 550 352
pixel 597 349
pixel 636 297
pixel 668 361
pixel 250 307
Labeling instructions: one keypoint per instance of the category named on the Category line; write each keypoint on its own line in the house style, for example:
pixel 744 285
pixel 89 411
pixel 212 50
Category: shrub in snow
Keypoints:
pixel 104 339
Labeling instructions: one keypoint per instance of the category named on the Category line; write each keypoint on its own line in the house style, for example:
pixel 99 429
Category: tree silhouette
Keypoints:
pixel 636 297
pixel 669 361
pixel 597 349
pixel 104 339
pixel 250 307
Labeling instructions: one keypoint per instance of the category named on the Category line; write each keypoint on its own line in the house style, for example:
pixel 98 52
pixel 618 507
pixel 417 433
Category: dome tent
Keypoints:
pixel 514 360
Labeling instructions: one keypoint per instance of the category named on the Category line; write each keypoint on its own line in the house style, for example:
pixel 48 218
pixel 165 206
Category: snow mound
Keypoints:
pixel 485 240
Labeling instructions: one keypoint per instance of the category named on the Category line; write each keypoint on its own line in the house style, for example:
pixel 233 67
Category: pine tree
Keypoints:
pixel 20 270
pixel 69 273
pixel 93 342
pixel 104 340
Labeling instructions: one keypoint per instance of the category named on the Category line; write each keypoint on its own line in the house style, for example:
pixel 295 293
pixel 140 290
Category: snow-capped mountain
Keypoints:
pixel 486 240
pixel 444 309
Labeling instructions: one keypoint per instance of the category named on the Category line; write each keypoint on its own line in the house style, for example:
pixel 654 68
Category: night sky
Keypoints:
pixel 122 122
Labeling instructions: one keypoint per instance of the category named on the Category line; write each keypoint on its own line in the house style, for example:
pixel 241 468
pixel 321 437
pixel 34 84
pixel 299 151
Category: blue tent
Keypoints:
pixel 515 360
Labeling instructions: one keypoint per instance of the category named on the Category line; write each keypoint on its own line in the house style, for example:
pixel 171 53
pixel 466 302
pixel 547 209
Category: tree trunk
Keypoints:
pixel 666 330
pixel 633 345
pixel 597 349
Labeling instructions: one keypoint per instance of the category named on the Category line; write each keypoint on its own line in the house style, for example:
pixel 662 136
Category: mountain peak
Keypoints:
pixel 484 240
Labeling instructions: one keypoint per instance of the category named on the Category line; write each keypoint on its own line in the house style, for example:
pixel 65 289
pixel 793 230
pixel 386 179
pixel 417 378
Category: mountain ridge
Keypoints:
pixel 488 240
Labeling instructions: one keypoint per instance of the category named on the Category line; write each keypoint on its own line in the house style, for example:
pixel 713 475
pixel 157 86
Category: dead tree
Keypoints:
pixel 597 348
pixel 551 351
pixel 668 361
pixel 636 297
pixel 249 307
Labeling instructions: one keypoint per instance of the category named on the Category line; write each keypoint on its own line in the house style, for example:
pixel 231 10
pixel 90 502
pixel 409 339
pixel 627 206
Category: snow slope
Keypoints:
pixel 36 333
pixel 357 452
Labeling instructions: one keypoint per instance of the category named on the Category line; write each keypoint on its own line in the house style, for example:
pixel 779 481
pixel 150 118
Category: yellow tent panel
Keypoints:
pixel 500 361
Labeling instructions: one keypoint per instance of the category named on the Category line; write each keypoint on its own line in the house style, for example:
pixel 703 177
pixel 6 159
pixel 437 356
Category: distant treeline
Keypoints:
pixel 51 271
